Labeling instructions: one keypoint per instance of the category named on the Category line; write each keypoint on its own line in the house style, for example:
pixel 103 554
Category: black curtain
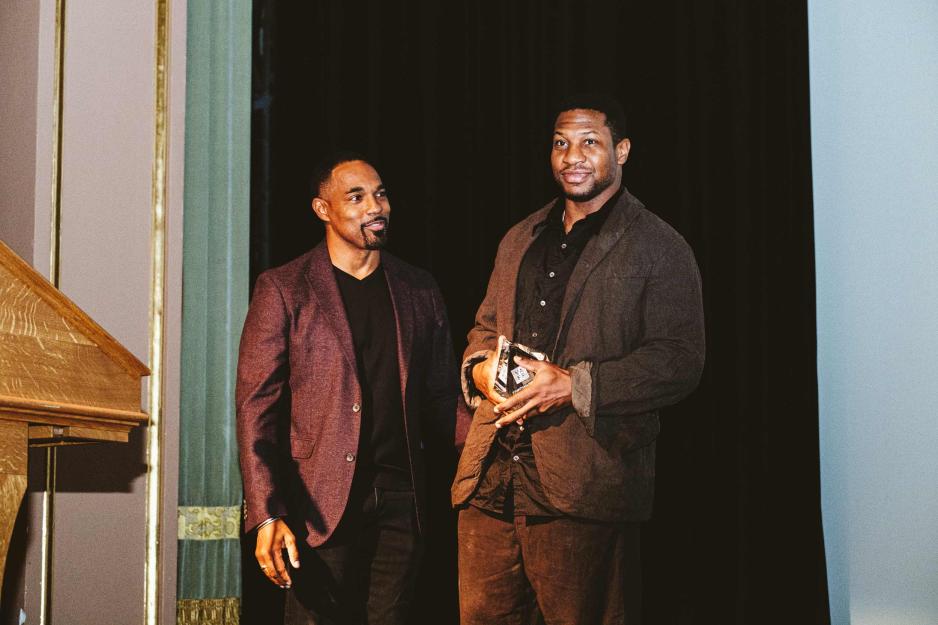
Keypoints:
pixel 451 101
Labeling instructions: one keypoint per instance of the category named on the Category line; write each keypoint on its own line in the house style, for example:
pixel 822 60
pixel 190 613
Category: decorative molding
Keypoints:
pixel 64 413
pixel 48 527
pixel 55 258
pixel 209 522
pixel 153 565
pixel 225 611
pixel 58 99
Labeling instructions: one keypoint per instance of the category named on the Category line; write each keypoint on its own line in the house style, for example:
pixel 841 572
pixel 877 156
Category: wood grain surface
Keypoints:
pixel 12 481
pixel 17 279
pixel 63 380
pixel 52 355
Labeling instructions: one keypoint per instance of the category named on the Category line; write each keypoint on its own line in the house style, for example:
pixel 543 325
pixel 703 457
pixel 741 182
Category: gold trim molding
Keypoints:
pixel 55 271
pixel 58 99
pixel 209 522
pixel 48 527
pixel 225 611
pixel 153 566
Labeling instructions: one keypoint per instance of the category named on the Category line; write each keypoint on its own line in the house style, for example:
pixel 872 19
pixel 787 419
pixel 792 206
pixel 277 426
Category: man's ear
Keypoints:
pixel 622 151
pixel 321 209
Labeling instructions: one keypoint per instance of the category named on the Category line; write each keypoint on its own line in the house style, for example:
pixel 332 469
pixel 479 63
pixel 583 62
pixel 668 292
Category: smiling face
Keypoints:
pixel 354 205
pixel 583 158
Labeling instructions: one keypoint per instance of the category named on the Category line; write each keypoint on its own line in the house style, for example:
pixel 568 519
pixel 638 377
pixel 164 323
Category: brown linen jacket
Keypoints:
pixel 298 397
pixel 632 335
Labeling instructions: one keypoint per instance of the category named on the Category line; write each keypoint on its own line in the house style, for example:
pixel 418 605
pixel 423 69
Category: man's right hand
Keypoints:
pixel 483 376
pixel 272 539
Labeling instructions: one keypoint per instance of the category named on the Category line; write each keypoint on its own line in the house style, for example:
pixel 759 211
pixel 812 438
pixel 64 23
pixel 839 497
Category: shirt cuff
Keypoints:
pixel 581 379
pixel 472 395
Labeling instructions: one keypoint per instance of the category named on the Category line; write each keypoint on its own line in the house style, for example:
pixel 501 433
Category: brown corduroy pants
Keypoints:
pixel 557 571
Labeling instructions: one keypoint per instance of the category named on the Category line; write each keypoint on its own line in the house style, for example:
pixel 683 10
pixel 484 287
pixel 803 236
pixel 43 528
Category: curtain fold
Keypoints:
pixel 215 277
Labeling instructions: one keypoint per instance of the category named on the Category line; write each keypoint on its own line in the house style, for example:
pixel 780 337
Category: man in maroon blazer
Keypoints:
pixel 553 480
pixel 345 371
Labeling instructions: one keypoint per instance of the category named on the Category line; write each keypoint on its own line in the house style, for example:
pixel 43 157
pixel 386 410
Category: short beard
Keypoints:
pixel 598 187
pixel 375 240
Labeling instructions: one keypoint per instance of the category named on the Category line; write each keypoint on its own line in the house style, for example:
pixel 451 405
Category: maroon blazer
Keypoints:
pixel 298 396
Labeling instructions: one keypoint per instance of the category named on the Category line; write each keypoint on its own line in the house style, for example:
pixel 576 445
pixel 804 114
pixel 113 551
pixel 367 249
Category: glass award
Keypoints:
pixel 510 377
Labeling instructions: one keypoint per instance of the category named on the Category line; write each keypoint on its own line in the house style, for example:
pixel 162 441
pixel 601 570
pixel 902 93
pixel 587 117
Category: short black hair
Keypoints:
pixel 601 102
pixel 323 170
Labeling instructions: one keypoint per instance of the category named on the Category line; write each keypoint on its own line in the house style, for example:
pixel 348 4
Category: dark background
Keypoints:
pixel 451 100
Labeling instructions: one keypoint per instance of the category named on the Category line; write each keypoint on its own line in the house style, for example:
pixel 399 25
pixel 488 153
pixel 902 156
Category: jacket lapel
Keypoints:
pixel 508 279
pixel 402 300
pixel 596 249
pixel 326 292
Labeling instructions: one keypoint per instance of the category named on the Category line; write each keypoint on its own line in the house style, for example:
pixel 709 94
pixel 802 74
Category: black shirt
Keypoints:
pixel 510 484
pixel 382 447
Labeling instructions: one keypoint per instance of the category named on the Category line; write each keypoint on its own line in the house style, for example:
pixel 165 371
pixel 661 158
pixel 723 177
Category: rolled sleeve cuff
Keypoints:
pixel 581 378
pixel 469 391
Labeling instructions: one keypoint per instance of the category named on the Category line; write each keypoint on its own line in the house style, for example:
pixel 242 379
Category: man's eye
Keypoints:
pixel 381 194
pixel 355 198
pixel 559 143
pixel 590 142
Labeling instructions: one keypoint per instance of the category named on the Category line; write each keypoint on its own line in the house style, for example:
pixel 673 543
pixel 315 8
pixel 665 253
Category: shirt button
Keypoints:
pixel 516 458
pixel 356 407
pixel 534 335
pixel 551 274
pixel 350 457
pixel 563 246
pixel 543 303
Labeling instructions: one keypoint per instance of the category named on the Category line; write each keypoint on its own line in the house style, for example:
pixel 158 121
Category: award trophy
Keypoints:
pixel 510 377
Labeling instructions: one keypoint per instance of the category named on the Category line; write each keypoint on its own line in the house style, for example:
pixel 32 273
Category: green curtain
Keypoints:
pixel 215 280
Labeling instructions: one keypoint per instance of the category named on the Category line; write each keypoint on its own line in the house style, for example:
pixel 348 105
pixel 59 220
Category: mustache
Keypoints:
pixel 382 219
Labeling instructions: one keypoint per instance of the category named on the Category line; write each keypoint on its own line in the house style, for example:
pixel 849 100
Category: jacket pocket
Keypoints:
pixel 302 447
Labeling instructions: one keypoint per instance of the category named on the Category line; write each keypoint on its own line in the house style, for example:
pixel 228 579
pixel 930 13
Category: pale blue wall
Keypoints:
pixel 874 124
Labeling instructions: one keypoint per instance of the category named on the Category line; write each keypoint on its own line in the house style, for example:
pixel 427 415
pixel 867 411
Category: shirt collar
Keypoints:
pixel 555 214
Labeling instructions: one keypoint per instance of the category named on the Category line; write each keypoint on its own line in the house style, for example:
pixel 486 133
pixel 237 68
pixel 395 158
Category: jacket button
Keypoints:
pixel 356 407
pixel 350 457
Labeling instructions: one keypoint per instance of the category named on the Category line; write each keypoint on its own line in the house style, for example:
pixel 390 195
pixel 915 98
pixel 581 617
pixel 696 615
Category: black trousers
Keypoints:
pixel 365 573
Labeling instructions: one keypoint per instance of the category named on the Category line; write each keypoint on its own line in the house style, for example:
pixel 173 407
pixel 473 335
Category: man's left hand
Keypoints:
pixel 550 389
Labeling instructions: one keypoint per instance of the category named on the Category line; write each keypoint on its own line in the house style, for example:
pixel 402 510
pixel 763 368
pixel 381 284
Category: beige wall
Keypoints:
pixel 106 265
pixel 19 31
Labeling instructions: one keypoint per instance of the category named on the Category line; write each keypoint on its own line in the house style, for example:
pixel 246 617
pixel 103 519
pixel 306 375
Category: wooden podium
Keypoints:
pixel 63 380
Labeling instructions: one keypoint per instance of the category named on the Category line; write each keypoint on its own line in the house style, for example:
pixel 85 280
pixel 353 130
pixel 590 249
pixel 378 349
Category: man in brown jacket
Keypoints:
pixel 554 480
pixel 346 369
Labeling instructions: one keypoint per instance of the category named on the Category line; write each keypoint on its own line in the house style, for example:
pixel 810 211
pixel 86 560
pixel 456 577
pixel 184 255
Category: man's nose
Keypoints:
pixel 372 205
pixel 573 155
